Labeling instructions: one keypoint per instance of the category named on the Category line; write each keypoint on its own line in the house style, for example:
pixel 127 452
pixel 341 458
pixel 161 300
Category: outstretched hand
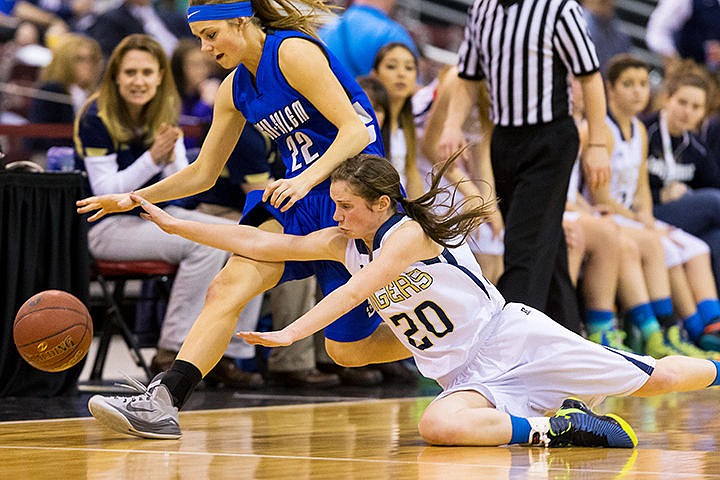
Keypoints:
pixel 104 204
pixel 156 214
pixel 279 338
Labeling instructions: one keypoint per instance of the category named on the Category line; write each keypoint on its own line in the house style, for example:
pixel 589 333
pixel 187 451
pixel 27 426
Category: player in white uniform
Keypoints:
pixel 501 366
pixel 628 195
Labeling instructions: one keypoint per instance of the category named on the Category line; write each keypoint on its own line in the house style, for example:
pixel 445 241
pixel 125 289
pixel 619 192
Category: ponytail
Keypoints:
pixel 372 176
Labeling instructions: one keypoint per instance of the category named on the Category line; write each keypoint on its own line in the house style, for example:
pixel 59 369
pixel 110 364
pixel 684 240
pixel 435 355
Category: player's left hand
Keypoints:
pixel 285 192
pixel 279 338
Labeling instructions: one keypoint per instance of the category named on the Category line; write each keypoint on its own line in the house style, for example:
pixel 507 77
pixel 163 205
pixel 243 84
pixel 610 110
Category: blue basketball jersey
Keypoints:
pixel 301 132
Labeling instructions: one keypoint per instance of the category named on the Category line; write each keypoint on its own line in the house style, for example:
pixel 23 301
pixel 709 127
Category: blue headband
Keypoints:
pixel 219 11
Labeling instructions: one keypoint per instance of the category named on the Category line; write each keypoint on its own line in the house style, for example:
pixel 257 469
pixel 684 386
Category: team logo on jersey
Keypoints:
pixel 284 120
pixel 401 289
pixel 682 172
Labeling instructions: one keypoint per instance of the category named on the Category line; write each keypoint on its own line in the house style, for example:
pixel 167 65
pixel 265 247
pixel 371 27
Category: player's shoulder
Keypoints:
pixel 409 233
pixel 300 49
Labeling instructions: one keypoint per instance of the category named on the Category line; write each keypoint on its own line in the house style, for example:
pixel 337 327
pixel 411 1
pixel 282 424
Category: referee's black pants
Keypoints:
pixel 532 166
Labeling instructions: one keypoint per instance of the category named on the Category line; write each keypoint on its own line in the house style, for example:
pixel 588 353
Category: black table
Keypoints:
pixel 43 245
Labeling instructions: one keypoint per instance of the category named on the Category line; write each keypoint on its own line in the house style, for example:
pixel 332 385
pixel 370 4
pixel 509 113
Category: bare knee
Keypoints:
pixel 238 282
pixel 652 246
pixel 629 250
pixel 435 430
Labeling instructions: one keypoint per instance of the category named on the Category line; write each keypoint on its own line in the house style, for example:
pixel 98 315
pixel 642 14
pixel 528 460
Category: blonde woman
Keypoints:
pixel 66 83
pixel 127 138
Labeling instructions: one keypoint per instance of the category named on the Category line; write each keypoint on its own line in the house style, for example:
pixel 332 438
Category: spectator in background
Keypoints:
pixel 194 74
pixel 73 72
pixel 474 177
pixel 684 180
pixel 77 14
pixel 139 16
pixel 127 138
pixel 686 29
pixel 14 70
pixel 15 12
pixel 378 96
pixel 396 67
pixel 361 31
pixel 605 30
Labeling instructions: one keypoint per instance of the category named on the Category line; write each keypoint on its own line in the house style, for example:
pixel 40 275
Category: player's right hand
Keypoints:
pixel 104 204
pixel 156 215
pixel 278 338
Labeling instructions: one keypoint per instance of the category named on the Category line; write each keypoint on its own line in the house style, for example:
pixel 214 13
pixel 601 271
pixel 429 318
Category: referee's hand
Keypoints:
pixel 451 140
pixel 596 166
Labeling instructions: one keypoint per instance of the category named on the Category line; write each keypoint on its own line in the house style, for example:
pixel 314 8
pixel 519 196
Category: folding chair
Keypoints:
pixel 116 274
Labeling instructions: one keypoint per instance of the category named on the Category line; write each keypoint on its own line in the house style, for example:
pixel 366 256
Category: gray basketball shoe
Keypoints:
pixel 148 414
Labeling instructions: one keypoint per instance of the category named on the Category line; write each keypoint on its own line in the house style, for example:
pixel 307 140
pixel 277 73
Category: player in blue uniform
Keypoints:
pixel 295 91
pixel 502 367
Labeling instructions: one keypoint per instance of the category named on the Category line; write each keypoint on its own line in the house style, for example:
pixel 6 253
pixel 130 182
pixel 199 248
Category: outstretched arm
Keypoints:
pixel 394 258
pixel 250 242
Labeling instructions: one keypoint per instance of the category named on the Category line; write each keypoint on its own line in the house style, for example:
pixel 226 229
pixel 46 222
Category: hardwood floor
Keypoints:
pixel 679 437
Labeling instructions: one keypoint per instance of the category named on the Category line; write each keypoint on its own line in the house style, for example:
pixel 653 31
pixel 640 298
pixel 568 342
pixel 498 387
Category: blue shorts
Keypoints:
pixel 312 213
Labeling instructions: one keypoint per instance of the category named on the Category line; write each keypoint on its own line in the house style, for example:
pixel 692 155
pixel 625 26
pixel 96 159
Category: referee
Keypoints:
pixel 525 50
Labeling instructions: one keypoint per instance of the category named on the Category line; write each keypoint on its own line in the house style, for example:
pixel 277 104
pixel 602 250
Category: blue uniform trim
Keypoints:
pixel 452 261
pixel 219 11
pixel 641 365
pixel 520 430
pixel 389 223
pixel 716 382
pixel 361 247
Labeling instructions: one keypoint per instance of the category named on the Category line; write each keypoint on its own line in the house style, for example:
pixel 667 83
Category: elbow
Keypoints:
pixel 360 134
pixel 203 177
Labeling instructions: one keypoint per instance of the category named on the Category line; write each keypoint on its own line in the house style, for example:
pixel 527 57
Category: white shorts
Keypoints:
pixel 679 246
pixel 530 364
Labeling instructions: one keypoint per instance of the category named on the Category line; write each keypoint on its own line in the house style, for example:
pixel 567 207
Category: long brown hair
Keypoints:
pixel 406 119
pixel 64 55
pixel 163 108
pixel 287 17
pixel 372 176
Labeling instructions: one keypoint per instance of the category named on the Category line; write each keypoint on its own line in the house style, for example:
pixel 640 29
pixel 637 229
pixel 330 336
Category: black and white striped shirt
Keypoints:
pixel 525 51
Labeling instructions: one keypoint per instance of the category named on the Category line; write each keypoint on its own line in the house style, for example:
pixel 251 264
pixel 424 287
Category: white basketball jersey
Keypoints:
pixel 574 185
pixel 440 308
pixel 625 162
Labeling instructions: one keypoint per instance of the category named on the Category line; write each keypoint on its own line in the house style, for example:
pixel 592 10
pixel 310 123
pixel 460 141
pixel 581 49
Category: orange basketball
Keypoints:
pixel 53 330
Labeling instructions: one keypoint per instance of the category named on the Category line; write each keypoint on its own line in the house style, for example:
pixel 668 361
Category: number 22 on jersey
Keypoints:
pixel 301 146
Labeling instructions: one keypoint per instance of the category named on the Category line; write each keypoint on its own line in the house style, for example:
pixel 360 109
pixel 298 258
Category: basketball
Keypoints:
pixel 53 330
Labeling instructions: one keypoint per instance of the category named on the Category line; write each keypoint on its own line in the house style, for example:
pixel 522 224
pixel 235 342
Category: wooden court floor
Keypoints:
pixel 679 438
